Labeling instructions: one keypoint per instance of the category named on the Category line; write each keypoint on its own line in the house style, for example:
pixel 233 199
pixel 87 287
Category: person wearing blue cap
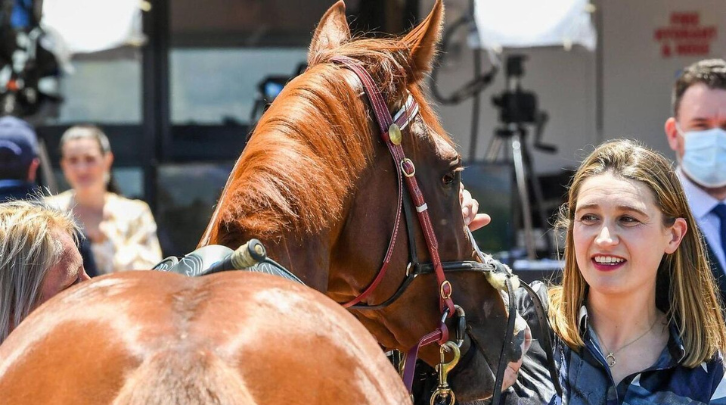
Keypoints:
pixel 18 159
pixel 18 168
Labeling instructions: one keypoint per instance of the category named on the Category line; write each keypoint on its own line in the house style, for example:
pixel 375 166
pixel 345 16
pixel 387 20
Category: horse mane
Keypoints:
pixel 313 143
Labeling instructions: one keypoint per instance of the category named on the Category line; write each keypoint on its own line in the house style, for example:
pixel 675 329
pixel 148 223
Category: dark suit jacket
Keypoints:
pixel 718 272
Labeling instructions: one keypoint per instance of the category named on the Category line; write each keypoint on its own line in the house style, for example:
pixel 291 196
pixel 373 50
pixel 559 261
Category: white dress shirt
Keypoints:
pixel 701 204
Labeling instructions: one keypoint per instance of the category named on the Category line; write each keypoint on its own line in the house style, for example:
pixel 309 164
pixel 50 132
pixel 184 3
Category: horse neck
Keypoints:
pixel 295 196
pixel 305 251
pixel 307 257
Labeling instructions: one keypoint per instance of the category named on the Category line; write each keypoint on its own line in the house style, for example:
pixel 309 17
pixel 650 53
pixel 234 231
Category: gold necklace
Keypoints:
pixel 610 358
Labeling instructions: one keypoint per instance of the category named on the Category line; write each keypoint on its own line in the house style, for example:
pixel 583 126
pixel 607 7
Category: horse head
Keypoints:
pixel 318 185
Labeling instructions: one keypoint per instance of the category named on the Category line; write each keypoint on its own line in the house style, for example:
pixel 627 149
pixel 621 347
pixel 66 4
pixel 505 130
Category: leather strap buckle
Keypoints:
pixel 445 290
pixel 406 162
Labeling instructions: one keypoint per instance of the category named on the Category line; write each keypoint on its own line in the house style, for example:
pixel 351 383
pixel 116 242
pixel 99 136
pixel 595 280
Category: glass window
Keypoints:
pixel 491 185
pixel 215 86
pixel 245 23
pixel 89 95
pixel 222 52
pixel 186 197
pixel 130 180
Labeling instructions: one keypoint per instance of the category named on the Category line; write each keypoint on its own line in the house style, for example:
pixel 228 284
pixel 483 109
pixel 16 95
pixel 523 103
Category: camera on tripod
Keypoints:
pixel 517 110
pixel 516 106
pixel 268 89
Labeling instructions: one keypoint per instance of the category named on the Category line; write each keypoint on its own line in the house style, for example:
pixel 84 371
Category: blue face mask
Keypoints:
pixel 704 160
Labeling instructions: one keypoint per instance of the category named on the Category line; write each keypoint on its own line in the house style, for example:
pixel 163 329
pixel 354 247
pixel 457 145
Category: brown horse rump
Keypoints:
pixel 161 338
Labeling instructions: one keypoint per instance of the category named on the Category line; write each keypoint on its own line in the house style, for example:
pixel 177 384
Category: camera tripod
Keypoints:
pixel 521 160
pixel 518 108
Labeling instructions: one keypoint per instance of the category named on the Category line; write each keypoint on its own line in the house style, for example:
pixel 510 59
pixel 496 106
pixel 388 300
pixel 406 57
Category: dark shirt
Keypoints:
pixel 15 190
pixel 586 379
pixel 21 190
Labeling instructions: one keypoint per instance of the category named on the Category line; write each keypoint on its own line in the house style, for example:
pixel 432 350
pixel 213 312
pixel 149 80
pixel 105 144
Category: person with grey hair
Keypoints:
pixel 122 231
pixel 38 258
pixel 697 133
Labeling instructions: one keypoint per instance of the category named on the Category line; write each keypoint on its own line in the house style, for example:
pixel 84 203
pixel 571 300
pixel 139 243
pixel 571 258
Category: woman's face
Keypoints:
pixel 619 236
pixel 67 272
pixel 83 164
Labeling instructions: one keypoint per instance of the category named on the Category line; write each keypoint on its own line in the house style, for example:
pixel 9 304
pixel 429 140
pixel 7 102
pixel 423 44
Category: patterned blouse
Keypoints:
pixel 131 242
pixel 585 376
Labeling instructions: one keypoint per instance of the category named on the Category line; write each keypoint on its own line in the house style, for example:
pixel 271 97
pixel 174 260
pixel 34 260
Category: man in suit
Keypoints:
pixel 697 133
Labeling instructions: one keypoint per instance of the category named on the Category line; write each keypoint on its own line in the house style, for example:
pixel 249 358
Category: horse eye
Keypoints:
pixel 448 179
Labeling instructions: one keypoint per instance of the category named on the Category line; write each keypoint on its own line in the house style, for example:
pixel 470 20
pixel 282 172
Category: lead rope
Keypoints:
pixel 542 321
pixel 509 334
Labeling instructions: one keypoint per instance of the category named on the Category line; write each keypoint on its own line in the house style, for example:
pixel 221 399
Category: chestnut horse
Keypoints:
pixel 153 338
pixel 317 185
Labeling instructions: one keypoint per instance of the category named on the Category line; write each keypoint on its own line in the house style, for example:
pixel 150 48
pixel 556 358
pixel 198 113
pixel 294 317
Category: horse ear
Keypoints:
pixel 332 31
pixel 422 41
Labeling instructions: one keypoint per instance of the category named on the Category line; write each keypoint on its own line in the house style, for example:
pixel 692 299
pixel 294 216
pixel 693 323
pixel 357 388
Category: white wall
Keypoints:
pixel 633 99
pixel 638 79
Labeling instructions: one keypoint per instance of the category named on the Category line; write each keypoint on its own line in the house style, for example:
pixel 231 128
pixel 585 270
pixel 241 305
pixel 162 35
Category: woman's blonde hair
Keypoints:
pixel 685 287
pixel 29 247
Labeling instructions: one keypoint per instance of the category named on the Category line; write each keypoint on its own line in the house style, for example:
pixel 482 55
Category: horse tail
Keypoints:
pixel 184 378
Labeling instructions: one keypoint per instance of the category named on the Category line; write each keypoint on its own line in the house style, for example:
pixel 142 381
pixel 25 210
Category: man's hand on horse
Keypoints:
pixel 469 208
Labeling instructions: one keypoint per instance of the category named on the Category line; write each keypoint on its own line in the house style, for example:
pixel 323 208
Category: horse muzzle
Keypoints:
pixel 475 377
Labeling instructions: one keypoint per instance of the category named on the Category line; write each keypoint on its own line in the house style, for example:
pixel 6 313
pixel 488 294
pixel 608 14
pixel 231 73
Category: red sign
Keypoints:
pixel 685 36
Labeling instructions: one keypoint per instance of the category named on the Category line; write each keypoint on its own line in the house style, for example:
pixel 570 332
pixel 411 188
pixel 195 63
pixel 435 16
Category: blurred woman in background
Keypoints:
pixel 122 231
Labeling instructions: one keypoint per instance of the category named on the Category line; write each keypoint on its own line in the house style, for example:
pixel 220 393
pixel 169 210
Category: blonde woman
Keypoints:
pixel 38 258
pixel 122 231
pixel 637 319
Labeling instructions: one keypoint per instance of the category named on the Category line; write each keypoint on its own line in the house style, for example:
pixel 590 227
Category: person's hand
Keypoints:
pixel 510 374
pixel 469 208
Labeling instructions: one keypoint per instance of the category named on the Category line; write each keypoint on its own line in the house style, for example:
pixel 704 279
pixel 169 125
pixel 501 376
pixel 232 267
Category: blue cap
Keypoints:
pixel 18 143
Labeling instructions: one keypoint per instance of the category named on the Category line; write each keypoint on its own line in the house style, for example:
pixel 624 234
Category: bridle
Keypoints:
pixel 390 132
